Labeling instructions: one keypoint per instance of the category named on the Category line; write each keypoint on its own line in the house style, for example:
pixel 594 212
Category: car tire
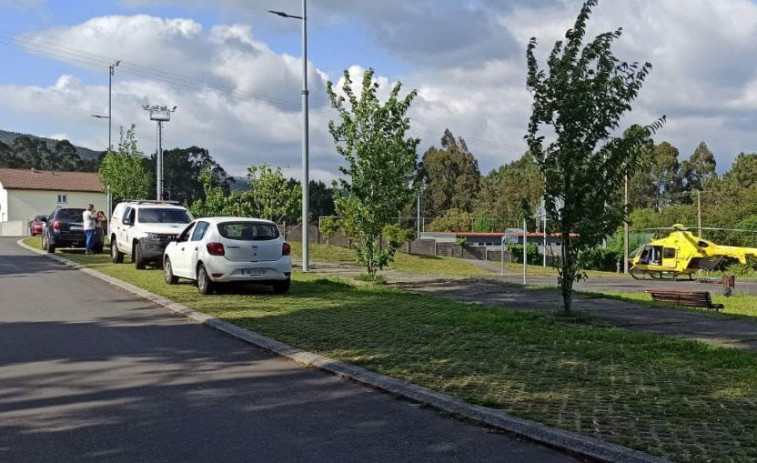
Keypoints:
pixel 44 243
pixel 168 272
pixel 116 256
pixel 204 285
pixel 49 248
pixel 136 257
pixel 281 287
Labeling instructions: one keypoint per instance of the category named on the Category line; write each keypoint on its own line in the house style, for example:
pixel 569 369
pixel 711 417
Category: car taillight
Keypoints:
pixel 215 249
pixel 286 249
pixel 56 225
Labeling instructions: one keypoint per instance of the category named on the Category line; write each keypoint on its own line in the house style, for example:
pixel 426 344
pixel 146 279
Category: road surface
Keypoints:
pixel 92 373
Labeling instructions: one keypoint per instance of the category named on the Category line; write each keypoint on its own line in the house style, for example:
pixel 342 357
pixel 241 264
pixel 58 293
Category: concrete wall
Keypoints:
pixel 23 205
pixel 14 228
pixel 3 204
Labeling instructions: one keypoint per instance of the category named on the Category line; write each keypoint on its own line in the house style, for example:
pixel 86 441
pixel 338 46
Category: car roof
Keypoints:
pixel 216 220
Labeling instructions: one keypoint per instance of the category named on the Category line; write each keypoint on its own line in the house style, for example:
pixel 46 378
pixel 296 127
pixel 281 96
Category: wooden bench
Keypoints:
pixel 685 298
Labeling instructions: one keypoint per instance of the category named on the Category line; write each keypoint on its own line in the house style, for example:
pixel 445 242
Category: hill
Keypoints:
pixel 8 138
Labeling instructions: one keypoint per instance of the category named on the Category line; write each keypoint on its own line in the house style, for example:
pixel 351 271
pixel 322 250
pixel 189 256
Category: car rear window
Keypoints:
pixel 158 215
pixel 70 214
pixel 248 231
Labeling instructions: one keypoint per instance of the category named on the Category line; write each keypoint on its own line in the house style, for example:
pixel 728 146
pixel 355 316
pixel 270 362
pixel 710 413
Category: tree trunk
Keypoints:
pixel 567 277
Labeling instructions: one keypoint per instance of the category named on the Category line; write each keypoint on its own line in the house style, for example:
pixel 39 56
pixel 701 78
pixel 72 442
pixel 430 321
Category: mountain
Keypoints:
pixel 85 153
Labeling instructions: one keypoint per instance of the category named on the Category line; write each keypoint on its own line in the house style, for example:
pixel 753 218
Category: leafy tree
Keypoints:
pixel 181 173
pixel 451 176
pixel 380 164
pixel 511 193
pixel 582 98
pixel 666 175
pixel 123 170
pixel 455 220
pixel 700 167
pixel 321 199
pixel 271 196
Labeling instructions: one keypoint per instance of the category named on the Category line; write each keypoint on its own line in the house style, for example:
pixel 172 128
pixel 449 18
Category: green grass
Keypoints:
pixel 684 400
pixel 738 304
pixel 435 265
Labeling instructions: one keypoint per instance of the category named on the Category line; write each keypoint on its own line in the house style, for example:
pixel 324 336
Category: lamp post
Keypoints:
pixel 160 114
pixel 305 135
pixel 111 71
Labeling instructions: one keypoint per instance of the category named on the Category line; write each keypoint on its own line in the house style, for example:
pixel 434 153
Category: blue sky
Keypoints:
pixel 465 57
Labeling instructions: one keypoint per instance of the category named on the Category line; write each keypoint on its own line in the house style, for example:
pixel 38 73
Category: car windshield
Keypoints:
pixel 158 215
pixel 248 231
pixel 71 214
pixel 39 218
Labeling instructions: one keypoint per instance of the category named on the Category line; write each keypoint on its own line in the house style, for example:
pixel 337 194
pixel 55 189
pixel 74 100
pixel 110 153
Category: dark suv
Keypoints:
pixel 65 229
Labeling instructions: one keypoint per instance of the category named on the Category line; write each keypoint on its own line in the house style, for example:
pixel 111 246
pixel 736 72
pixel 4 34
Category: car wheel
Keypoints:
pixel 116 256
pixel 136 257
pixel 44 243
pixel 204 285
pixel 281 287
pixel 168 272
pixel 50 248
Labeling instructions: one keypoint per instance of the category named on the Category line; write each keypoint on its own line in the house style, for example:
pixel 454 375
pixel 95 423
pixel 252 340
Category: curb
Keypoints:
pixel 566 441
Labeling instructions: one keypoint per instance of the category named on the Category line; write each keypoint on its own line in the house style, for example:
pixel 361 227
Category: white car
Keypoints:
pixel 229 249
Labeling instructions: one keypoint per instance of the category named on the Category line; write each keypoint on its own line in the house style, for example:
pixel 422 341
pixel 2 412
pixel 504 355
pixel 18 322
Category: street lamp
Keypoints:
pixel 160 114
pixel 111 72
pixel 305 140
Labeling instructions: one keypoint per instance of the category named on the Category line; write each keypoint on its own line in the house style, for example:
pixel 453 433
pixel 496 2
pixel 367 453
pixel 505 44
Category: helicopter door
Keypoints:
pixel 669 257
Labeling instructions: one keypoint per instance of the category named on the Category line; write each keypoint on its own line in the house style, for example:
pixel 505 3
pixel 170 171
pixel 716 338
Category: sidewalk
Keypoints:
pixel 713 328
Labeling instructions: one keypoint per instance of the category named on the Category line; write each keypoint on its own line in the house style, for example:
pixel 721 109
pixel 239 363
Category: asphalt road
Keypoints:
pixel 91 373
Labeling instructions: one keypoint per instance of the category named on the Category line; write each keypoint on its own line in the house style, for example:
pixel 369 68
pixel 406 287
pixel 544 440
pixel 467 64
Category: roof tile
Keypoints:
pixel 32 179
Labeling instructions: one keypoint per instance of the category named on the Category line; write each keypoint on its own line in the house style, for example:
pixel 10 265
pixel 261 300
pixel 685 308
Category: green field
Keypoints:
pixel 680 399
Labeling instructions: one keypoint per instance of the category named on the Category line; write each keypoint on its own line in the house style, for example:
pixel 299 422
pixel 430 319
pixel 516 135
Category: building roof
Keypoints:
pixel 32 179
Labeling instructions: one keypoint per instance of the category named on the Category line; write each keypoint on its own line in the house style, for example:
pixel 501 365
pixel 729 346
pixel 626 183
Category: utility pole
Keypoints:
pixel 160 114
pixel 625 231
pixel 418 219
pixel 525 246
pixel 699 213
pixel 111 71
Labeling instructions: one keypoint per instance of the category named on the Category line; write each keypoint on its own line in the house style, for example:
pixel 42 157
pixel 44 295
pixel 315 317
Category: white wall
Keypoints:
pixel 3 204
pixel 23 205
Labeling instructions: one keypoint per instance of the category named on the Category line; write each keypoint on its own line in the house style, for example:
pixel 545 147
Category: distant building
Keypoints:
pixel 514 236
pixel 25 193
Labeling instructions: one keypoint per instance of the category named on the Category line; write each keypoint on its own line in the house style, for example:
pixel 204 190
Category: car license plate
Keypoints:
pixel 76 227
pixel 253 271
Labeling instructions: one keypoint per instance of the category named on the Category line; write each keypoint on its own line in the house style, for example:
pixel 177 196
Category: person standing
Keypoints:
pixel 90 223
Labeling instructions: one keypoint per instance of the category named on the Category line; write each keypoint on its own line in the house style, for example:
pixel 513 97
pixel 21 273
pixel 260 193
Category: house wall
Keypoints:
pixel 3 203
pixel 23 205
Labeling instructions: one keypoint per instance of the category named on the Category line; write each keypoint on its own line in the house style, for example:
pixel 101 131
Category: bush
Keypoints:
pixel 604 259
pixel 533 257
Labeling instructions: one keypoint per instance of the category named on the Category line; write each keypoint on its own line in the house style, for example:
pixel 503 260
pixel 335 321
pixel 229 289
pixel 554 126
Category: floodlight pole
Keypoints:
pixel 159 114
pixel 625 231
pixel 525 245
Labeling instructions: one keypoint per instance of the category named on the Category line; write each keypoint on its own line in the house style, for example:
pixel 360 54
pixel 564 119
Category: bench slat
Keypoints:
pixel 684 298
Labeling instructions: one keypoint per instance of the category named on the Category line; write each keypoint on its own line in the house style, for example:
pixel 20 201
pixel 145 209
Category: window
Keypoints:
pixel 186 233
pixel 62 199
pixel 248 231
pixel 669 253
pixel 157 215
pixel 199 231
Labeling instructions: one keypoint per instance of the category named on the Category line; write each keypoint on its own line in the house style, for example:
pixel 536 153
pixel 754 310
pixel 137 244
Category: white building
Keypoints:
pixel 25 193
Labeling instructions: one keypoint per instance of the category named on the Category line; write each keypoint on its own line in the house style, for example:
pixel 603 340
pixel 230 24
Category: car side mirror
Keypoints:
pixel 126 221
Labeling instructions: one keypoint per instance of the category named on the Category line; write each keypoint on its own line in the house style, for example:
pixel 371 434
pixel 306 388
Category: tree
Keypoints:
pixel 380 164
pixel 181 173
pixel 512 192
pixel 666 175
pixel 700 167
pixel 582 98
pixel 123 170
pixel 451 175
pixel 271 196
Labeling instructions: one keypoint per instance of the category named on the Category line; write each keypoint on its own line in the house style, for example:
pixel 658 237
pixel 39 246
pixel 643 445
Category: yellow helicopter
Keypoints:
pixel 682 253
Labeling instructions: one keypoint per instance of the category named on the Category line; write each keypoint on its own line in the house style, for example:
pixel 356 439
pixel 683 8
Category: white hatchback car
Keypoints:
pixel 229 249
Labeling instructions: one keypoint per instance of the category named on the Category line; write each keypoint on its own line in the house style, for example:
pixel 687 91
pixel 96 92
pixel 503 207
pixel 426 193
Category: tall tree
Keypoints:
pixel 452 176
pixel 666 175
pixel 506 190
pixel 123 171
pixel 699 168
pixel 380 164
pixel 582 98
pixel 181 173
pixel 271 196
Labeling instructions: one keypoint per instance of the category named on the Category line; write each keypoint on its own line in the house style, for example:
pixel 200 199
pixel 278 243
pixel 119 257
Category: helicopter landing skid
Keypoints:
pixel 661 276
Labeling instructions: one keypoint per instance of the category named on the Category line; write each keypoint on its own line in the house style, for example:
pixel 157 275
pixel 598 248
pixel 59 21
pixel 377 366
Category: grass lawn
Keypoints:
pixel 449 266
pixel 738 304
pixel 680 399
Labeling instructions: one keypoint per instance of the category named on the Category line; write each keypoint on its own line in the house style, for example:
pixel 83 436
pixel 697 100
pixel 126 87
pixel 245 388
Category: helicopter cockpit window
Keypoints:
pixel 644 258
pixel 703 244
pixel 669 253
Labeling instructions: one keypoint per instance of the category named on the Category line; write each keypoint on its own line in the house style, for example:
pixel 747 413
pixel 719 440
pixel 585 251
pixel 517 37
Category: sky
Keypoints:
pixel 234 71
